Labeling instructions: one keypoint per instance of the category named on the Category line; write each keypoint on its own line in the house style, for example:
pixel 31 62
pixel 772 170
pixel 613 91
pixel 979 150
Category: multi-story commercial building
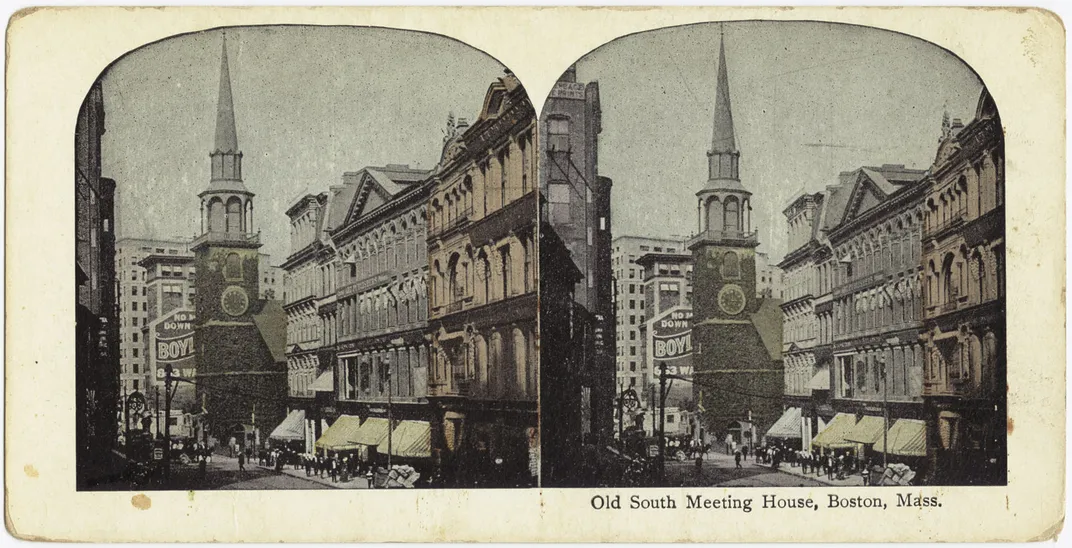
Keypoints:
pixel 303 285
pixel 769 278
pixel 576 206
pixel 482 255
pixel 272 279
pixel 964 387
pixel 736 336
pixel 667 296
pixel 239 338
pixel 133 301
pixel 381 306
pixel 168 335
pixel 630 302
pixel 800 335
pixel 855 313
pixel 97 397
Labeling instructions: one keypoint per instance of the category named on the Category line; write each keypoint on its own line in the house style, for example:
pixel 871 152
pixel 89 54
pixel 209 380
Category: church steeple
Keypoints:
pixel 226 136
pixel 722 159
pixel 226 205
pixel 226 158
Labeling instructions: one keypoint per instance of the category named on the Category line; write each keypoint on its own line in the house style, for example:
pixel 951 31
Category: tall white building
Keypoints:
pixel 132 295
pixel 629 302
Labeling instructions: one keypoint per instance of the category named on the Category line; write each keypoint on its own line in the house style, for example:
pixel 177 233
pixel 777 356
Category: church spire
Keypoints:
pixel 226 136
pixel 722 159
pixel 226 158
pixel 722 139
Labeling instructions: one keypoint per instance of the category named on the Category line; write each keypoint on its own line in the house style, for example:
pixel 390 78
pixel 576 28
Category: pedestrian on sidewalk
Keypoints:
pixel 866 474
pixel 737 459
pixel 334 471
pixel 744 452
pixel 242 462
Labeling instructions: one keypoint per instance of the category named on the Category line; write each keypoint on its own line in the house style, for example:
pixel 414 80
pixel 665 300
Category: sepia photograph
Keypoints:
pixel 780 246
pixel 306 259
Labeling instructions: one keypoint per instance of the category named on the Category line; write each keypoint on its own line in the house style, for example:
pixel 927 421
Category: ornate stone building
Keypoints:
pixel 800 333
pixel 380 307
pixel 964 309
pixel 304 287
pixel 482 254
pixel 867 312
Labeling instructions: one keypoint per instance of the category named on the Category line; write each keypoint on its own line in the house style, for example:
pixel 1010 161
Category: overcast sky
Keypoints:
pixel 310 103
pixel 869 96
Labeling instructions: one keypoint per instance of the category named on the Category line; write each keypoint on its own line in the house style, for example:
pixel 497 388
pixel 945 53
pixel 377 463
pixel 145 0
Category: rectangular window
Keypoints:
pixel 135 384
pixel 133 292
pixel 134 352
pixel 632 366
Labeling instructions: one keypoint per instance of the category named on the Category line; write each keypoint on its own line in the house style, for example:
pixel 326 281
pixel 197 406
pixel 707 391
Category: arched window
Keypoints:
pixel 234 215
pixel 217 216
pixel 949 292
pixel 232 269
pixel 731 218
pixel 714 213
pixel 731 266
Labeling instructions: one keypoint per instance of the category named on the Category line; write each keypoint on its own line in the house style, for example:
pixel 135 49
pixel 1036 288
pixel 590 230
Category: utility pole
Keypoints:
pixel 167 422
pixel 390 414
pixel 157 390
pixel 621 402
pixel 662 420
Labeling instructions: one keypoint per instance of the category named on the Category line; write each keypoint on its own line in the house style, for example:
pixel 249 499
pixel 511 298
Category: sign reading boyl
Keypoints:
pixel 671 335
pixel 172 342
pixel 175 337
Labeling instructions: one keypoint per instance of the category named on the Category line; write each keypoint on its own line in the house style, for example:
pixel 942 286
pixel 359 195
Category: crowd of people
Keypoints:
pixel 836 464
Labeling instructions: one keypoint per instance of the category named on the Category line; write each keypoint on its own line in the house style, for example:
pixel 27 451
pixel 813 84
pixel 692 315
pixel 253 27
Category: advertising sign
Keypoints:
pixel 670 342
pixel 172 342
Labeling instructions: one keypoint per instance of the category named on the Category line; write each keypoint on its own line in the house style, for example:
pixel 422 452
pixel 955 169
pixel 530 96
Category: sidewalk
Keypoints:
pixel 854 480
pixel 354 483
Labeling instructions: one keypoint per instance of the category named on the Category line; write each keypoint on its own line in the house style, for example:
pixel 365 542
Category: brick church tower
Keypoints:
pixel 239 338
pixel 736 333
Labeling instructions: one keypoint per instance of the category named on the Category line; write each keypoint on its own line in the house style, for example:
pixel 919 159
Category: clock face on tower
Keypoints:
pixel 234 300
pixel 731 299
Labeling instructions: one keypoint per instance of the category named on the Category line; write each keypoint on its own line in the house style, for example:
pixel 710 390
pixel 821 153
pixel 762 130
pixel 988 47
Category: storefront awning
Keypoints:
pixel 412 439
pixel 372 433
pixel 907 438
pixel 325 382
pixel 338 437
pixel 821 380
pixel 292 427
pixel 833 436
pixel 787 426
pixel 868 430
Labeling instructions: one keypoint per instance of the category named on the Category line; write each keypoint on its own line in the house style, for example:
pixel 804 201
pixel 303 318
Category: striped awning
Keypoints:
pixel 868 430
pixel 787 426
pixel 412 439
pixel 373 432
pixel 907 438
pixel 833 436
pixel 292 427
pixel 340 435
